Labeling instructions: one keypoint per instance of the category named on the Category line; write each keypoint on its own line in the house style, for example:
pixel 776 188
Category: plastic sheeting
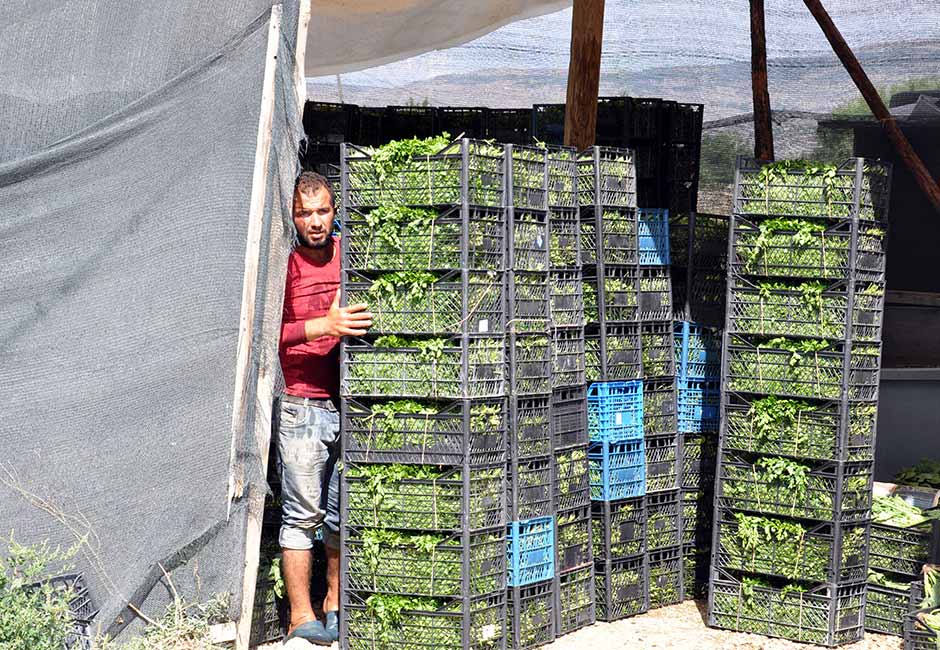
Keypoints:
pixel 127 159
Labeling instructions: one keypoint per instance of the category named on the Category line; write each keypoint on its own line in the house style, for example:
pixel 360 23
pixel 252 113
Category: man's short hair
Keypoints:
pixel 311 182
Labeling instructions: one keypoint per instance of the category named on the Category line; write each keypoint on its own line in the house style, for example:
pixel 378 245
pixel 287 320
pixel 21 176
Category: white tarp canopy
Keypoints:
pixel 349 35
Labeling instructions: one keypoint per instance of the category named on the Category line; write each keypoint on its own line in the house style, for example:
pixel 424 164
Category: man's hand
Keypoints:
pixel 352 320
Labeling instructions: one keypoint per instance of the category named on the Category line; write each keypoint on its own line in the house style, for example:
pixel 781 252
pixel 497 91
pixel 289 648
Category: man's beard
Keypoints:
pixel 306 244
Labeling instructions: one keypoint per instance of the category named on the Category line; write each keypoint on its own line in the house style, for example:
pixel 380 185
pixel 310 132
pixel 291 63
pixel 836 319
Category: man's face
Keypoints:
pixel 313 217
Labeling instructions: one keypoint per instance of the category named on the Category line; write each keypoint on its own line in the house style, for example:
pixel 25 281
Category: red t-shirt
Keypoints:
pixel 311 369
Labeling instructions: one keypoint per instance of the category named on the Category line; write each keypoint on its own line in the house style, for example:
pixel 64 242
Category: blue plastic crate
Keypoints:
pixel 698 351
pixel 653 236
pixel 699 405
pixel 615 411
pixel 530 551
pixel 618 470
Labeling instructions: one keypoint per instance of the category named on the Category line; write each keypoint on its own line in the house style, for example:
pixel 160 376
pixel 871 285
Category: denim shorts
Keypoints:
pixel 308 447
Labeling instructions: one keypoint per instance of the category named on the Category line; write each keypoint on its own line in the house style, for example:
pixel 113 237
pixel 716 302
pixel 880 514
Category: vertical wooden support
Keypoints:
pixel 763 128
pixel 584 73
pixel 905 151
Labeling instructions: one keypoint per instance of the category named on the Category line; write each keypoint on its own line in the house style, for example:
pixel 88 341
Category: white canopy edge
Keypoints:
pixel 351 35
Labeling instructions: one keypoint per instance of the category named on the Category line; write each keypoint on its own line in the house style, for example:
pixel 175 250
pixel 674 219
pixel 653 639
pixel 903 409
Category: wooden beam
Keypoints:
pixel 904 149
pixel 584 73
pixel 763 128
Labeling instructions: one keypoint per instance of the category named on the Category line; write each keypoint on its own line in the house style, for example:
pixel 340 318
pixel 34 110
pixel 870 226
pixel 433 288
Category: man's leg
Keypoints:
pixel 296 567
pixel 331 535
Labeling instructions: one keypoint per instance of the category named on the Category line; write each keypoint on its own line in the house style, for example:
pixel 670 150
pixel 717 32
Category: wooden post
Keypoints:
pixel 906 152
pixel 763 128
pixel 584 73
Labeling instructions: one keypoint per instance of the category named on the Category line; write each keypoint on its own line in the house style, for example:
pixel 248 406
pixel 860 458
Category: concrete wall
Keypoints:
pixel 908 419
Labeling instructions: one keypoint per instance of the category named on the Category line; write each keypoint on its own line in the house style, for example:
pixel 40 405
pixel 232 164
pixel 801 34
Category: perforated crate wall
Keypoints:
pixel 532 615
pixel 663 520
pixel 608 237
pixel 572 488
pixel 530 432
pixel 666 577
pixel 662 463
pixel 612 352
pixel 618 470
pixel 622 588
pixel 619 528
pixel 575 603
pixel 615 411
pixel 653 236
pixel 658 349
pixel 698 351
pixel 659 407
pixel 573 539
pixel 699 406
pixel 607 177
pixel 567 357
pixel 530 551
pixel 569 417
pixel 529 489
pixel 886 609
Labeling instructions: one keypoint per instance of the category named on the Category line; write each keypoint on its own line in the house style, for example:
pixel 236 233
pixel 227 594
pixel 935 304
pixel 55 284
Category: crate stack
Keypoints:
pixel 896 559
pixel 800 371
pixel 574 563
pixel 423 400
pixel 607 196
pixel 917 634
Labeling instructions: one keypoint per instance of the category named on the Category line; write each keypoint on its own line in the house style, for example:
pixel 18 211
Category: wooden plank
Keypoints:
pixel 763 127
pixel 244 360
pixel 584 73
pixel 905 151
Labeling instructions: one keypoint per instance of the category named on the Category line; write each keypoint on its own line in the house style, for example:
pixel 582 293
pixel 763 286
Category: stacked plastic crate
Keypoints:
pixel 660 418
pixel 530 498
pixel 896 559
pixel 800 371
pixel 607 195
pixel 424 409
pixel 574 565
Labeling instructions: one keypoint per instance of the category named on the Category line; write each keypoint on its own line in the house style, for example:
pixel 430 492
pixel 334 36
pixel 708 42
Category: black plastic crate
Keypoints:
pixel 800 429
pixel 528 241
pixel 456 302
pixel 916 635
pixel 793 550
pixel 572 487
pixel 699 458
pixel 472 238
pixel 621 588
pixel 370 126
pixel 828 615
pixel 904 551
pixel 823 254
pixel 548 123
pixel 613 125
pixel 530 364
pixel 530 432
pixel 470 172
pixel 685 122
pixel 696 563
pixel 463 367
pixel 509 125
pixel 885 610
pixel 646 117
pixel 755 367
pixel 458 624
pixel 856 189
pixel 270 614
pixel 569 417
pixel 567 299
pixel 565 239
pixel 662 463
pixel 612 352
pixel 667 583
pixel 659 407
pixel 573 548
pixel 682 162
pixel 529 489
pixel 619 528
pixel 806 309
pixel 612 295
pixel 411 432
pixel 655 297
pixel 460 565
pixel 607 177
pixel 440 500
pixel 462 122
pixel 531 615
pixel 576 601
pixel 81 605
pixel 659 348
pixel 568 357
pixel 562 177
pixel 649 160
pixel 528 301
pixel 608 237
pixel 402 122
pixel 663 520
pixel 833 492
pixel 697 517
pixel 321 157
pixel 527 177
pixel 329 122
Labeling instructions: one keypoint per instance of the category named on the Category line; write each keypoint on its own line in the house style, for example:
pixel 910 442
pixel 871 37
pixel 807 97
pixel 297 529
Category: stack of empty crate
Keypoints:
pixel 800 371
pixel 530 498
pixel 424 410
pixel 574 566
pixel 607 196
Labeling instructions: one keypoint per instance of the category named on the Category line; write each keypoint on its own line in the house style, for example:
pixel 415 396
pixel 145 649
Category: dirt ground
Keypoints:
pixel 680 627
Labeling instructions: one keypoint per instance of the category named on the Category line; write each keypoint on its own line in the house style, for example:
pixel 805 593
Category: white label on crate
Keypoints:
pixel 484 325
pixel 488 632
pixel 618 419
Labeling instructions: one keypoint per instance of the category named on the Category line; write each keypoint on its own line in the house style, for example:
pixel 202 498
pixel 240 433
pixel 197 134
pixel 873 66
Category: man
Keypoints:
pixel 307 419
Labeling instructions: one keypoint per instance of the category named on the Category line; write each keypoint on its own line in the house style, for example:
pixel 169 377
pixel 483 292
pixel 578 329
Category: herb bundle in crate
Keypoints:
pixel 621 588
pixel 920 624
pixel 666 580
pixel 575 603
pixel 619 528
pixel 801 361
pixel 531 615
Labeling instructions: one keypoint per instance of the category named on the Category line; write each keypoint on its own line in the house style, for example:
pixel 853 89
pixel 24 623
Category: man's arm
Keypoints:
pixel 352 320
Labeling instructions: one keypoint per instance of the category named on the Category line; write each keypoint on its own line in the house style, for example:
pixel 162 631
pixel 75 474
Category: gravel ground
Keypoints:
pixel 680 627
